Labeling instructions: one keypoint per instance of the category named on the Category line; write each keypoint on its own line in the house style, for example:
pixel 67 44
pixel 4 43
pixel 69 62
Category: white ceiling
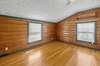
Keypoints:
pixel 46 10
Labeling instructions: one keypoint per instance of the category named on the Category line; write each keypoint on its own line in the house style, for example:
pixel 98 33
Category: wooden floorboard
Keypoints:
pixel 53 54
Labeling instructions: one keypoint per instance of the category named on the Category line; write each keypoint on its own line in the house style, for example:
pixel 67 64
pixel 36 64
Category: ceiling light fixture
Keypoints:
pixel 70 2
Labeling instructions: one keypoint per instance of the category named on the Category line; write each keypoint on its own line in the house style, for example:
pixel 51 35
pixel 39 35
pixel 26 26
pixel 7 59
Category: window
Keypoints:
pixel 86 32
pixel 34 32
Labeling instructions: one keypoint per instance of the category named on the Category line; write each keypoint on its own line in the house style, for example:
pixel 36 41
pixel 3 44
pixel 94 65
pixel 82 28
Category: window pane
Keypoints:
pixel 89 37
pixel 34 38
pixel 86 27
pixel 33 27
pixel 86 32
pixel 34 32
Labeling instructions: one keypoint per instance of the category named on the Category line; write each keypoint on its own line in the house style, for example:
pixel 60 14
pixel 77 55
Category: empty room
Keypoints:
pixel 49 32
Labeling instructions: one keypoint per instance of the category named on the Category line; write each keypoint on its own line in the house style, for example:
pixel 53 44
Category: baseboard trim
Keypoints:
pixel 98 49
pixel 3 54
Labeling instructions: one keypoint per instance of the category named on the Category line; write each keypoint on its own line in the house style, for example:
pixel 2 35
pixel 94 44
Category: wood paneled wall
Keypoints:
pixel 67 28
pixel 14 33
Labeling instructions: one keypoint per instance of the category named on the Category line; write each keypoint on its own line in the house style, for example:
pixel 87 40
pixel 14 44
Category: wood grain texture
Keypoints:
pixel 67 28
pixel 14 34
pixel 53 54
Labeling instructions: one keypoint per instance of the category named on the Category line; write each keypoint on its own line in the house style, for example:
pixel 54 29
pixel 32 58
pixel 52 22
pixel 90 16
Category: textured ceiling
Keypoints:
pixel 46 10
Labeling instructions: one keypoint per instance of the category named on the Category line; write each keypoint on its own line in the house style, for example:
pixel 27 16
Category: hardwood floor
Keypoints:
pixel 53 54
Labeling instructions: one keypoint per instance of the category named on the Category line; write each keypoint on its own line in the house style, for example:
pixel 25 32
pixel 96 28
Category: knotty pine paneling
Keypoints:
pixel 13 34
pixel 67 28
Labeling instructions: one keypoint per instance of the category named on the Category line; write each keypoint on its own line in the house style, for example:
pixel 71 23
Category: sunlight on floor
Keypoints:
pixel 82 59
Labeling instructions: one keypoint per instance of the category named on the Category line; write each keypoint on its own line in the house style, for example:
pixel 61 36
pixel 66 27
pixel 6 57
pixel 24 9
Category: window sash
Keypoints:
pixel 35 32
pixel 88 37
pixel 86 32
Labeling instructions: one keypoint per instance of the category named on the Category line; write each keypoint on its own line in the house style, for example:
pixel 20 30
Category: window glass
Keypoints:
pixel 34 32
pixel 86 32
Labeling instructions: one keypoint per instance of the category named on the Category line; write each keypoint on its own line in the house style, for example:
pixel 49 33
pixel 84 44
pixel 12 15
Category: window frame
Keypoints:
pixel 94 30
pixel 28 32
